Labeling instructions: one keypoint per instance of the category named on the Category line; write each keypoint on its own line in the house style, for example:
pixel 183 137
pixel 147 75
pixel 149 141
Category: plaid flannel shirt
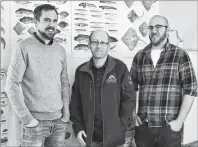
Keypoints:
pixel 161 89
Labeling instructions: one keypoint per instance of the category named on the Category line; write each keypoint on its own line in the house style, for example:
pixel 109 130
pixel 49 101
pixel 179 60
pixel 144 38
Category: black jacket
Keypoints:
pixel 118 100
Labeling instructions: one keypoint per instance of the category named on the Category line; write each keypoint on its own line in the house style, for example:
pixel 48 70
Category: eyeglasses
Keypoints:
pixel 157 27
pixel 96 43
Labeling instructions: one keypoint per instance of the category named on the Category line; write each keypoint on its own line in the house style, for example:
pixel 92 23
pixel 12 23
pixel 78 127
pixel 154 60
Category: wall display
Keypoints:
pixel 148 4
pixel 143 28
pixel 89 16
pixel 23 21
pixel 3 43
pixel 3 73
pixel 125 21
pixel 131 39
pixel 129 3
pixel 109 15
pixel 132 16
pixel 5 57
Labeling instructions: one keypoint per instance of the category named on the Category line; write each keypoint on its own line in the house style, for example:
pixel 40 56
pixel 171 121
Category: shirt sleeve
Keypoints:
pixel 65 91
pixel 13 89
pixel 187 75
pixel 134 73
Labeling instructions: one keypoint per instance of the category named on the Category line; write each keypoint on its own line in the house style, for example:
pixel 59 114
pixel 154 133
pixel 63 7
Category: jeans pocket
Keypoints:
pixel 39 121
pixel 32 133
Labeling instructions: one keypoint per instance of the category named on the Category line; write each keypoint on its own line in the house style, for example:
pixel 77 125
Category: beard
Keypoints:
pixel 156 39
pixel 47 35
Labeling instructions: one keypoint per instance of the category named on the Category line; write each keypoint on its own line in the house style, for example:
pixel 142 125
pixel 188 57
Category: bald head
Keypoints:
pixel 99 44
pixel 99 33
pixel 158 20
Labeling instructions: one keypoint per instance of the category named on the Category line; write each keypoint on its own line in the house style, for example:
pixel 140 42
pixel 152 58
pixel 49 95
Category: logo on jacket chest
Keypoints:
pixel 111 79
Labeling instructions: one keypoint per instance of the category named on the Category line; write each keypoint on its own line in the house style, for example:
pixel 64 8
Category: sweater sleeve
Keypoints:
pixel 65 92
pixel 13 89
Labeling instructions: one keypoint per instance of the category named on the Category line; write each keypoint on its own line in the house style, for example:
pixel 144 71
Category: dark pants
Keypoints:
pixel 157 136
pixel 99 144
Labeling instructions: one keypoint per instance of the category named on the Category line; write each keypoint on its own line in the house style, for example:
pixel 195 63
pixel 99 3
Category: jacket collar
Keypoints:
pixel 166 47
pixel 88 66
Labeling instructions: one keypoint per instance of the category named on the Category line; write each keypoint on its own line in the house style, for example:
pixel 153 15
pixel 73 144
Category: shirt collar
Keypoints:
pixel 39 39
pixel 92 63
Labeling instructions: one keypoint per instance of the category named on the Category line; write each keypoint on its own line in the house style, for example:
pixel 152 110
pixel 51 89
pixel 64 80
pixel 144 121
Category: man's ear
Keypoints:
pixel 109 46
pixel 36 23
pixel 168 29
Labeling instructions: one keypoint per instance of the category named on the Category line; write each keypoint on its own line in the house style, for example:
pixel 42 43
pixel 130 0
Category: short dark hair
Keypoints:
pixel 94 31
pixel 44 7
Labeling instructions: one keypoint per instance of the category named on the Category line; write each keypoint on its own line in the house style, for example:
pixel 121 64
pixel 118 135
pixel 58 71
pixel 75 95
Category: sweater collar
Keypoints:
pixel 39 39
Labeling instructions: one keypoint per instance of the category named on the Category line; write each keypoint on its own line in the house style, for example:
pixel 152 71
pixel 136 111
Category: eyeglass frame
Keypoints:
pixel 157 27
pixel 102 43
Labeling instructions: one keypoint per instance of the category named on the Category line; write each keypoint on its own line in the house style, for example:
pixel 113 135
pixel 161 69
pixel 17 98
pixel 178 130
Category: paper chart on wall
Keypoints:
pixel 132 28
pixel 117 19
pixel 89 16
pixel 5 58
pixel 23 22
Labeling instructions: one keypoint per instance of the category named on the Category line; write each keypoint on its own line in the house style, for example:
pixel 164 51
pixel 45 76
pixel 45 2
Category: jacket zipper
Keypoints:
pixel 94 105
pixel 104 77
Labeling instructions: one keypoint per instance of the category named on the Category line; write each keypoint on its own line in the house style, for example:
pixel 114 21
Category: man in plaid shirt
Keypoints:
pixel 164 76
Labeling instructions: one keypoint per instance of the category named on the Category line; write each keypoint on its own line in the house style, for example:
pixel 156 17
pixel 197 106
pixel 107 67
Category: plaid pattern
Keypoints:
pixel 161 89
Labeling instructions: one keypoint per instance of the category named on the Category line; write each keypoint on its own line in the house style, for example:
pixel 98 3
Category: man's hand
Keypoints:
pixel 176 125
pixel 80 137
pixel 137 120
pixel 33 123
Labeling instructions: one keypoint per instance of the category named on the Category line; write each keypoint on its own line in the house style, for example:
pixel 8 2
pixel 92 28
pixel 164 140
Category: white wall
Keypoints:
pixel 182 16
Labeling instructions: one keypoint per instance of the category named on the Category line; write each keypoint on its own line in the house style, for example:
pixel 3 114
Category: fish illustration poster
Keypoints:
pixel 5 58
pixel 77 19
pixel 23 20
pixel 118 19
pixel 126 24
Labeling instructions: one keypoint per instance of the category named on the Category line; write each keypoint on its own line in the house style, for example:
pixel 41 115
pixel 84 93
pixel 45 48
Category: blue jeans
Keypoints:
pixel 48 133
pixel 157 136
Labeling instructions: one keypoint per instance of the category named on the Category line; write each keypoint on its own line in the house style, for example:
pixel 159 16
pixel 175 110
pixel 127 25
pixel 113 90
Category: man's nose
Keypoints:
pixel 53 24
pixel 98 44
pixel 154 30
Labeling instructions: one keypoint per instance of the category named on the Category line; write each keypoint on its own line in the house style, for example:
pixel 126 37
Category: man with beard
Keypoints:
pixel 37 83
pixel 103 97
pixel 167 85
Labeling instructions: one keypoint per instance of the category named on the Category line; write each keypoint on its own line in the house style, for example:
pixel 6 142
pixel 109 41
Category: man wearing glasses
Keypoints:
pixel 103 97
pixel 167 85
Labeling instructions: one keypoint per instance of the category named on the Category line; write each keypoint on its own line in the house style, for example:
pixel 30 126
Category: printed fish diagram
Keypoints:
pixel 125 21
pixel 89 16
pixel 5 58
pixel 133 18
pixel 23 22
